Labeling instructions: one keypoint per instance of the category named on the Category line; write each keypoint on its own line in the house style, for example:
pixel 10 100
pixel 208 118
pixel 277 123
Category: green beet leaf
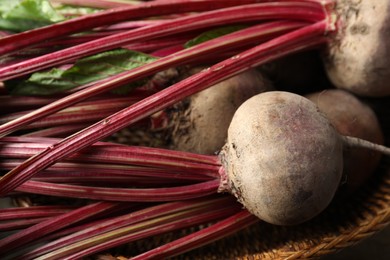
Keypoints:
pixel 74 11
pixel 84 71
pixel 212 34
pixel 22 15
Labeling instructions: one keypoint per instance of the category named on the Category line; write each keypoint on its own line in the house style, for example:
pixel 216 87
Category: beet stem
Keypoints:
pixel 55 223
pixel 304 11
pixel 222 43
pixel 21 223
pixel 122 221
pixel 114 170
pixel 125 155
pixel 203 237
pixel 297 40
pixel 145 229
pixel 56 131
pixel 82 113
pixel 27 39
pixel 121 194
pixel 32 212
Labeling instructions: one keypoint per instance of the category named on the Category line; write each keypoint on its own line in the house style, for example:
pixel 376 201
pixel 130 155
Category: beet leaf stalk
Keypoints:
pixel 83 113
pixel 177 161
pixel 297 40
pixel 121 194
pixel 304 11
pixel 154 226
pixel 55 223
pixel 20 223
pixel 203 237
pixel 64 170
pixel 27 39
pixel 257 33
pixel 32 212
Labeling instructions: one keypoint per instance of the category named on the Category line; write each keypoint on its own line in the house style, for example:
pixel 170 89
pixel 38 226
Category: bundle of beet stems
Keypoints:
pixel 126 193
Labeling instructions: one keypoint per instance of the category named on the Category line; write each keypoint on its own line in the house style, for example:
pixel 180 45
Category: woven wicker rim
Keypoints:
pixel 345 223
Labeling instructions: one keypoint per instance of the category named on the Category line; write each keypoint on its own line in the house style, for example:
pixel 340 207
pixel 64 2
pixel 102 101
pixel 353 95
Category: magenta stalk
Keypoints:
pixel 143 229
pixel 200 238
pixel 305 11
pixel 26 39
pixel 53 224
pixel 121 194
pixel 300 39
pixel 85 236
pixel 255 33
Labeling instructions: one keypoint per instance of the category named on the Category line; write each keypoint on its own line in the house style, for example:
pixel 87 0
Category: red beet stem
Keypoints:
pixel 14 103
pixel 129 25
pixel 55 223
pixel 132 218
pixel 57 131
pixel 256 12
pixel 255 34
pixel 307 37
pixel 121 194
pixel 125 155
pixel 146 46
pixel 87 112
pixel 200 238
pixel 144 229
pixel 27 39
pixel 21 223
pixel 87 170
pixel 32 212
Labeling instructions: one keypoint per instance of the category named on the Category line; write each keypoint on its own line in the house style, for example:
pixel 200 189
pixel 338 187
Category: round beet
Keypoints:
pixel 201 127
pixel 351 117
pixel 283 159
pixel 357 56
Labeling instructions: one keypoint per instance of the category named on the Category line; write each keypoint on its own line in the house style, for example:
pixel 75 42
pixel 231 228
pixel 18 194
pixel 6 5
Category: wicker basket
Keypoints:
pixel 344 223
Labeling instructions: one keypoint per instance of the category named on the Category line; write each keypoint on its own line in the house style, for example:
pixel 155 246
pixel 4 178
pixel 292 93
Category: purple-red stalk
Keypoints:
pixel 148 228
pixel 305 11
pixel 112 224
pixel 58 131
pixel 55 223
pixel 120 154
pixel 205 236
pixel 114 170
pixel 183 192
pixel 32 212
pixel 307 37
pixel 29 38
pixel 87 112
pixel 146 47
pixel 21 223
pixel 255 34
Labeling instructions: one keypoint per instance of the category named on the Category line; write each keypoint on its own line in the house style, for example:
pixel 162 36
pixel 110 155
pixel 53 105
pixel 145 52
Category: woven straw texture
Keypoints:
pixel 345 223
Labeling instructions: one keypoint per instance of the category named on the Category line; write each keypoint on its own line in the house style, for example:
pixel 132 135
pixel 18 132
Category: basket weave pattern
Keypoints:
pixel 345 223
